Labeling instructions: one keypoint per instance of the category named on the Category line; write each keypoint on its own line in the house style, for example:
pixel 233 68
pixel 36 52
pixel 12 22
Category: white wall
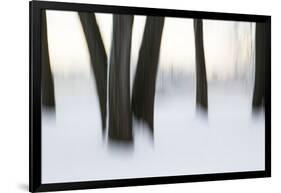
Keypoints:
pixel 14 97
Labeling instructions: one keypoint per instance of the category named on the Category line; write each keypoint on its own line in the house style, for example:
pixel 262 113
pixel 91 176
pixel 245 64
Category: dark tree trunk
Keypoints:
pixel 48 94
pixel 98 59
pixel 261 60
pixel 145 78
pixel 201 79
pixel 120 119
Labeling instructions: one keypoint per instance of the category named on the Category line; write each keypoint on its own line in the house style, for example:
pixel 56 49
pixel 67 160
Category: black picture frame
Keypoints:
pixel 35 184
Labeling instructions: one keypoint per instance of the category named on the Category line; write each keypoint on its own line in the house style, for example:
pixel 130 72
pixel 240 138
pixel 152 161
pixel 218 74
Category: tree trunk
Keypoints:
pixel 120 119
pixel 261 60
pixel 98 59
pixel 145 78
pixel 48 94
pixel 201 80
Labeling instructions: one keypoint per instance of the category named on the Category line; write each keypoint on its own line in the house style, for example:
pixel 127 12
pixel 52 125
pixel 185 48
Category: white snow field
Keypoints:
pixel 229 140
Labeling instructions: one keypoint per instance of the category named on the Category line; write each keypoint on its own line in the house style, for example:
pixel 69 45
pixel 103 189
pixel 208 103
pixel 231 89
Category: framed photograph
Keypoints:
pixel 125 96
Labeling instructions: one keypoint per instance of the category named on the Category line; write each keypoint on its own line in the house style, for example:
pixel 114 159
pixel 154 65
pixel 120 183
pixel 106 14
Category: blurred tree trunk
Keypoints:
pixel 201 79
pixel 98 59
pixel 145 78
pixel 48 94
pixel 120 119
pixel 261 59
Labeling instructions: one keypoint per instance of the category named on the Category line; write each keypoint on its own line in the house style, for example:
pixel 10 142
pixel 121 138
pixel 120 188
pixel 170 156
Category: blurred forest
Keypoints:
pixel 118 106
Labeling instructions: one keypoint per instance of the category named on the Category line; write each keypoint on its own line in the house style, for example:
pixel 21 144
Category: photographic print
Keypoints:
pixel 135 96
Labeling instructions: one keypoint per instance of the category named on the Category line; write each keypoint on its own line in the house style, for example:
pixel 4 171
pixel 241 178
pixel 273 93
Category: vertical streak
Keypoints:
pixel 98 59
pixel 48 93
pixel 201 80
pixel 120 120
pixel 261 60
pixel 146 73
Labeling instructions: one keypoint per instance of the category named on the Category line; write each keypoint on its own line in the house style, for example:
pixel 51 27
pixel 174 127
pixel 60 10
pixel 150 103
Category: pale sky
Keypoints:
pixel 226 43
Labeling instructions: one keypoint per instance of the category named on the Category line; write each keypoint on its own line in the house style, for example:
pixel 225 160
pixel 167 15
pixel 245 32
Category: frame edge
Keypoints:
pixel 35 184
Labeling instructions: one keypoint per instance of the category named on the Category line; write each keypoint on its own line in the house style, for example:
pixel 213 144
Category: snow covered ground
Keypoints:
pixel 229 140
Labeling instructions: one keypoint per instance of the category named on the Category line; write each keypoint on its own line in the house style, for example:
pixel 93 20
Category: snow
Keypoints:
pixel 185 142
